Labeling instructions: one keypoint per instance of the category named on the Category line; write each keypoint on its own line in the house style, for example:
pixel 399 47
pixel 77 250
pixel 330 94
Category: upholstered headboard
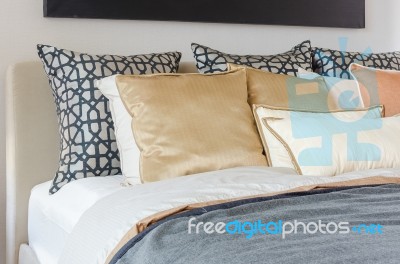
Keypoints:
pixel 32 144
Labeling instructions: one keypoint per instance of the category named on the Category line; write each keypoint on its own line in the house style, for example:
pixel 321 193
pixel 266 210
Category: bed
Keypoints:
pixel 72 233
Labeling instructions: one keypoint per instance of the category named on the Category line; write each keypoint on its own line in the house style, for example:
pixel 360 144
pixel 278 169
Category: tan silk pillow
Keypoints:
pixel 379 87
pixel 289 93
pixel 286 91
pixel 191 123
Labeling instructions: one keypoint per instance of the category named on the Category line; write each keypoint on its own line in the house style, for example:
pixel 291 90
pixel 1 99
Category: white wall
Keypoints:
pixel 22 26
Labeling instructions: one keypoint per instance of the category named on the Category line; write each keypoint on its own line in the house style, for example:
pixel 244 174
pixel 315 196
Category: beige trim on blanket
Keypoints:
pixel 148 221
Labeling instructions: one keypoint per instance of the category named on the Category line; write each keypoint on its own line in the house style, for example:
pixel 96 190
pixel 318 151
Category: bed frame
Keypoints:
pixel 32 147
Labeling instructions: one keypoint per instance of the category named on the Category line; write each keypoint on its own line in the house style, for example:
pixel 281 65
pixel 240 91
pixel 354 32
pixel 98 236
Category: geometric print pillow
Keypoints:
pixel 88 146
pixel 336 63
pixel 210 60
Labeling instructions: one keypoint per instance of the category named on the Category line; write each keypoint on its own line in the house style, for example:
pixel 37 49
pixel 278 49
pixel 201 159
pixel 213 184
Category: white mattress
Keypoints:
pixel 53 217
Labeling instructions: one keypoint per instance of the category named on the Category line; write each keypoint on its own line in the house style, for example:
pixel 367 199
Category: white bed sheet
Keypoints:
pixel 52 217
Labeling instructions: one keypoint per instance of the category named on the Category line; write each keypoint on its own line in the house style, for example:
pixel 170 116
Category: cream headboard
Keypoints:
pixel 32 144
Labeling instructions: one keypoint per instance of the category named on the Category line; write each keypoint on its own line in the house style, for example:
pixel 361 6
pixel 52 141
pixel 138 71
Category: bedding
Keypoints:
pixel 379 87
pixel 332 143
pixel 52 218
pixel 209 60
pixel 190 123
pixel 253 246
pixel 88 146
pixel 142 207
pixel 129 152
pixel 336 63
pixel 343 94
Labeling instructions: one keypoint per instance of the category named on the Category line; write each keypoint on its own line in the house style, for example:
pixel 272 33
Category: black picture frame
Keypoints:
pixel 319 13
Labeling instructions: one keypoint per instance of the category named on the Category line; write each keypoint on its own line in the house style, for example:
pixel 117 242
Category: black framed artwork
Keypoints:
pixel 320 13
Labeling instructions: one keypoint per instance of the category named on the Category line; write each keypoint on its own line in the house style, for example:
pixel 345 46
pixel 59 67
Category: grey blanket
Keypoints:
pixel 373 214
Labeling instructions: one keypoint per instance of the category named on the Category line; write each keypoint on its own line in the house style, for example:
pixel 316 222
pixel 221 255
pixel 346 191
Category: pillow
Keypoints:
pixel 346 93
pixel 285 91
pixel 328 144
pixel 210 60
pixel 336 63
pixel 88 146
pixel 191 123
pixel 379 87
pixel 129 153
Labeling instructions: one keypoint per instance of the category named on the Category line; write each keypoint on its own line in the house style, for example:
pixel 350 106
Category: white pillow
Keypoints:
pixel 128 151
pixel 328 144
pixel 345 93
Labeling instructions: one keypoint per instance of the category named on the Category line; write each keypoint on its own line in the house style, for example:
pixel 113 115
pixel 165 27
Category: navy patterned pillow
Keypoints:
pixel 88 146
pixel 210 60
pixel 336 63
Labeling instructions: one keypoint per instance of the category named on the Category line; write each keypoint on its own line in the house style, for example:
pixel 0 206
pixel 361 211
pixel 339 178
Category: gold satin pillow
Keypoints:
pixel 288 92
pixel 191 123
